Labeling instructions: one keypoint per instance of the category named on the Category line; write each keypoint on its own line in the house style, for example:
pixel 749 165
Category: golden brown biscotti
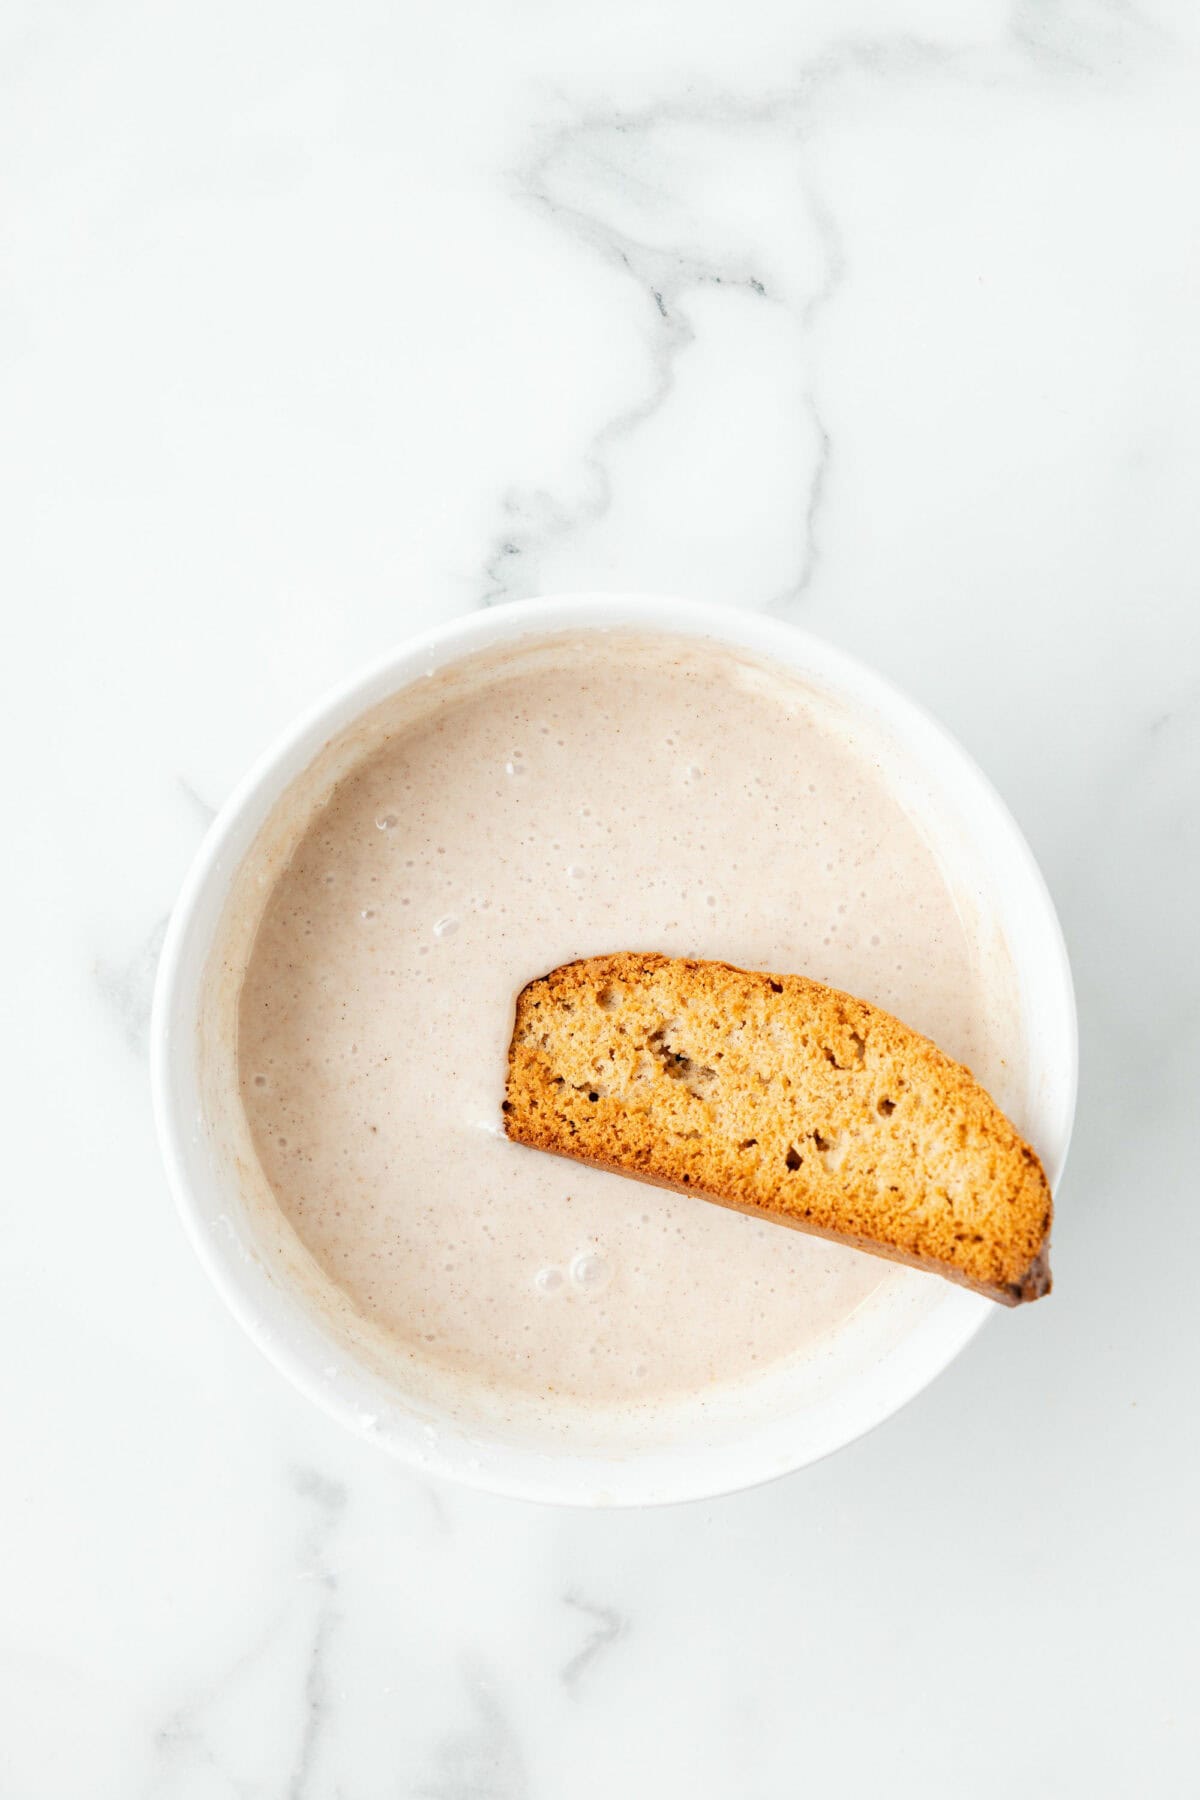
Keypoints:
pixel 787 1100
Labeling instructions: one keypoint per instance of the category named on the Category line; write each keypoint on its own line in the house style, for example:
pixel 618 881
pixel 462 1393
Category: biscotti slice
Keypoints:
pixel 787 1100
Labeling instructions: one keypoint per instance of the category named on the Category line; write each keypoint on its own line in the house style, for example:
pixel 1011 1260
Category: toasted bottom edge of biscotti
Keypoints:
pixel 1034 1284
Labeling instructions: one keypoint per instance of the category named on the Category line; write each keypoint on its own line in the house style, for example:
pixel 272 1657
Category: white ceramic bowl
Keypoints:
pixel 715 1449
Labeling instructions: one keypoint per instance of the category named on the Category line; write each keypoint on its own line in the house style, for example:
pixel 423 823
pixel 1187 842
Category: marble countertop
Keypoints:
pixel 322 323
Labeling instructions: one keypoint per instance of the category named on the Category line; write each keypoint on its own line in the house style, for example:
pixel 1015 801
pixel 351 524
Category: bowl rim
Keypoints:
pixel 526 1475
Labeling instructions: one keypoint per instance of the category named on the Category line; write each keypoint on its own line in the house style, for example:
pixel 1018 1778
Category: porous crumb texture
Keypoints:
pixel 785 1099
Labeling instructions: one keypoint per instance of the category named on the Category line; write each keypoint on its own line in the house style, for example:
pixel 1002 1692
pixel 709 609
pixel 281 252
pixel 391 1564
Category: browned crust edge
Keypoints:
pixel 1034 1284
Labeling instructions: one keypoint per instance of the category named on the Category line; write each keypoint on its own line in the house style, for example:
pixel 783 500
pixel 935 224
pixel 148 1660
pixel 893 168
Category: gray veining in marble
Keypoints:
pixel 607 1625
pixel 127 989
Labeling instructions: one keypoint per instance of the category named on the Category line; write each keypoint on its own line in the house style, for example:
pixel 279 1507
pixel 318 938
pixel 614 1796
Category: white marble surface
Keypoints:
pixel 318 323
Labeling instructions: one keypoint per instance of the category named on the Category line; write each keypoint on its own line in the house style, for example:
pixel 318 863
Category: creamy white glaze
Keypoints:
pixel 617 792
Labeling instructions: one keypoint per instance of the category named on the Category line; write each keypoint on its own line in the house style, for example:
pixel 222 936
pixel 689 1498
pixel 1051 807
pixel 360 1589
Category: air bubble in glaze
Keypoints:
pixel 387 821
pixel 446 926
pixel 590 1272
pixel 548 1281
